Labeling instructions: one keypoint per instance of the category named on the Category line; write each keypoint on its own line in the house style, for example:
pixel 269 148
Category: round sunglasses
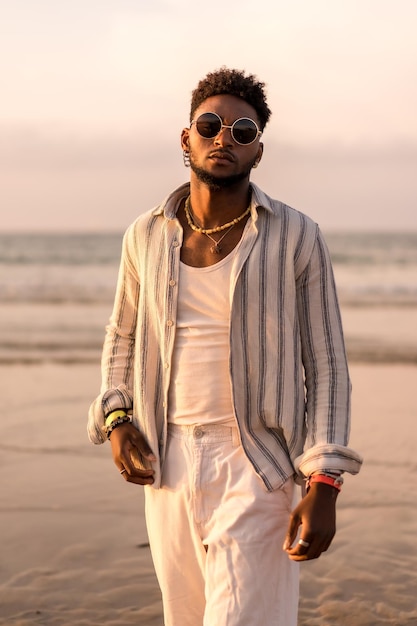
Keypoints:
pixel 244 131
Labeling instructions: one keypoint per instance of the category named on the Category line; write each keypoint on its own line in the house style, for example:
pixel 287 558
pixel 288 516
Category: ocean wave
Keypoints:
pixel 365 249
pixel 95 284
pixel 60 249
pixel 57 284
pixel 370 268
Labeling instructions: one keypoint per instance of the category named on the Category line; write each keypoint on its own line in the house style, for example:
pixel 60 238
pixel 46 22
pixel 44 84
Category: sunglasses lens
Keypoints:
pixel 244 131
pixel 208 125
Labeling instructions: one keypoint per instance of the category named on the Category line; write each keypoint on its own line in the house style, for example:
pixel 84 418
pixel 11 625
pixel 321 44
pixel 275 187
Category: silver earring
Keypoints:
pixel 186 158
pixel 255 165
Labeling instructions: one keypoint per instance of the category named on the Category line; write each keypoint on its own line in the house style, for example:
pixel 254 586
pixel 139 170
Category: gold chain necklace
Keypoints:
pixel 216 229
pixel 216 248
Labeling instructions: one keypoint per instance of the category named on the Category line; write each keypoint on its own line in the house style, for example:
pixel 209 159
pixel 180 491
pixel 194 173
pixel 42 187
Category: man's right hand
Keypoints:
pixel 127 442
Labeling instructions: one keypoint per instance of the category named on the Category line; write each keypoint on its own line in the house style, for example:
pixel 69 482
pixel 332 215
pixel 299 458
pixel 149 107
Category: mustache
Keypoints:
pixel 222 154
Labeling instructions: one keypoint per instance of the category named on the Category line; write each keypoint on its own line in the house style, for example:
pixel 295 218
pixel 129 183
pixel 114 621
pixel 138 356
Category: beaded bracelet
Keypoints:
pixel 124 419
pixel 327 480
pixel 114 415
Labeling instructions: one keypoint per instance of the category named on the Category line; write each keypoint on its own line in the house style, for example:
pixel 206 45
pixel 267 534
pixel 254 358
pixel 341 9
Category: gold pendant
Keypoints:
pixel 216 249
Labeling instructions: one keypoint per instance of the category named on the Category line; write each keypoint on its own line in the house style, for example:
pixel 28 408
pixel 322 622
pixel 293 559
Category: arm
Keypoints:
pixel 328 391
pixel 117 367
pixel 118 351
pixel 327 381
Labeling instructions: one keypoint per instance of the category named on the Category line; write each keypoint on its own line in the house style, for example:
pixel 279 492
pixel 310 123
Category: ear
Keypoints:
pixel 185 139
pixel 260 152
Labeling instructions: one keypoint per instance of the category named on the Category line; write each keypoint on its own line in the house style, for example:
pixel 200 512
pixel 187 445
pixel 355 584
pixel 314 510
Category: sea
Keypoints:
pixel 56 289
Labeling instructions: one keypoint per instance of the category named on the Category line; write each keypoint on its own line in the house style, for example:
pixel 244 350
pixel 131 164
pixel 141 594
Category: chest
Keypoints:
pixel 201 250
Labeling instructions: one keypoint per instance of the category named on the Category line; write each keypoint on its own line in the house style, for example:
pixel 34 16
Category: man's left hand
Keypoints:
pixel 316 515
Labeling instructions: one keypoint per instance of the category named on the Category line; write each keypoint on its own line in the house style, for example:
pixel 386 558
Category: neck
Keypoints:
pixel 212 208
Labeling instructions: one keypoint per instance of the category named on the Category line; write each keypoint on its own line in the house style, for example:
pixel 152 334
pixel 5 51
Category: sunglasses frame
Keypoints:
pixel 258 132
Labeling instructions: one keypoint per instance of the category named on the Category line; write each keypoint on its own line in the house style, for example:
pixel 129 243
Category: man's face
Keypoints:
pixel 220 162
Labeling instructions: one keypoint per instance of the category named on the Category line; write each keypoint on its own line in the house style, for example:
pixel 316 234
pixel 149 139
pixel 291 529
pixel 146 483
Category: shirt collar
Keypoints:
pixel 169 205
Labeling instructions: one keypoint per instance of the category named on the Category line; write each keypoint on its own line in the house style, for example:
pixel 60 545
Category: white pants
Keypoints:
pixel 216 535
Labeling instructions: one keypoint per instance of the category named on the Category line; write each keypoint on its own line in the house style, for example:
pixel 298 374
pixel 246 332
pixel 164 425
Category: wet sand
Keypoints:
pixel 74 546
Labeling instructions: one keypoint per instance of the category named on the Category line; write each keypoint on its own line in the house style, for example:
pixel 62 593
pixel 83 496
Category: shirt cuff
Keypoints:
pixel 331 457
pixel 116 399
pixel 111 400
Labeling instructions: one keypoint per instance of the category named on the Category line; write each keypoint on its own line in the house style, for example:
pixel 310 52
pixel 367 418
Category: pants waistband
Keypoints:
pixel 206 433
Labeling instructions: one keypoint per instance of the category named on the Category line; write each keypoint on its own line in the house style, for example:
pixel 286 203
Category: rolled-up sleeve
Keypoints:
pixel 117 362
pixel 327 381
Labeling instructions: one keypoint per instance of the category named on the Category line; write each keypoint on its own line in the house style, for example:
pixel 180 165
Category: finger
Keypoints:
pixel 142 445
pixel 300 550
pixel 303 552
pixel 140 477
pixel 135 470
pixel 320 544
pixel 291 532
pixel 134 455
pixel 135 463
pixel 326 544
pixel 128 438
pixel 306 548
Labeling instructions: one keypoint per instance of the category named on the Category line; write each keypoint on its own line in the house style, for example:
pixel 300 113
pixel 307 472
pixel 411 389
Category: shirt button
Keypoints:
pixel 172 283
pixel 198 433
pixel 166 364
pixel 175 243
pixel 170 323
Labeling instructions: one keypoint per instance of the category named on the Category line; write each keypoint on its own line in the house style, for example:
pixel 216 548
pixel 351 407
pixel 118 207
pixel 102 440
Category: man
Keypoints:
pixel 225 377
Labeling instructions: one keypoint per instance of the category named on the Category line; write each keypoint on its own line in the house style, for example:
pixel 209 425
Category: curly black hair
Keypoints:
pixel 232 83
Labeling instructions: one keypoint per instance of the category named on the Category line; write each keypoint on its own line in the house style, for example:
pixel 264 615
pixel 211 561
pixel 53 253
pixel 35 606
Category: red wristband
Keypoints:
pixel 327 480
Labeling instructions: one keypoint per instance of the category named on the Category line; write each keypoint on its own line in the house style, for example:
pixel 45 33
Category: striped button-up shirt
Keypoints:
pixel 288 370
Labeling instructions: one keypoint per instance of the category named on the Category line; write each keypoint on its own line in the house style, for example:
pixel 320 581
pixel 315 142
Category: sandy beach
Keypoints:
pixel 74 547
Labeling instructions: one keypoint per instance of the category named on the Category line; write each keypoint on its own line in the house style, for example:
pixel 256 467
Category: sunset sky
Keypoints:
pixel 94 94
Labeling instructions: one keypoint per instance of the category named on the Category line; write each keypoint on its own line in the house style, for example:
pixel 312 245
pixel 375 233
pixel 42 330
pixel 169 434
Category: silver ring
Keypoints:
pixel 303 543
pixel 122 471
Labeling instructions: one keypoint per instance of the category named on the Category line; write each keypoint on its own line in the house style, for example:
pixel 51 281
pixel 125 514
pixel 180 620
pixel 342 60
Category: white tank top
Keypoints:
pixel 200 388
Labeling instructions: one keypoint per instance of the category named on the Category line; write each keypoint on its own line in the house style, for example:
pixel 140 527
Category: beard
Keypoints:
pixel 217 183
